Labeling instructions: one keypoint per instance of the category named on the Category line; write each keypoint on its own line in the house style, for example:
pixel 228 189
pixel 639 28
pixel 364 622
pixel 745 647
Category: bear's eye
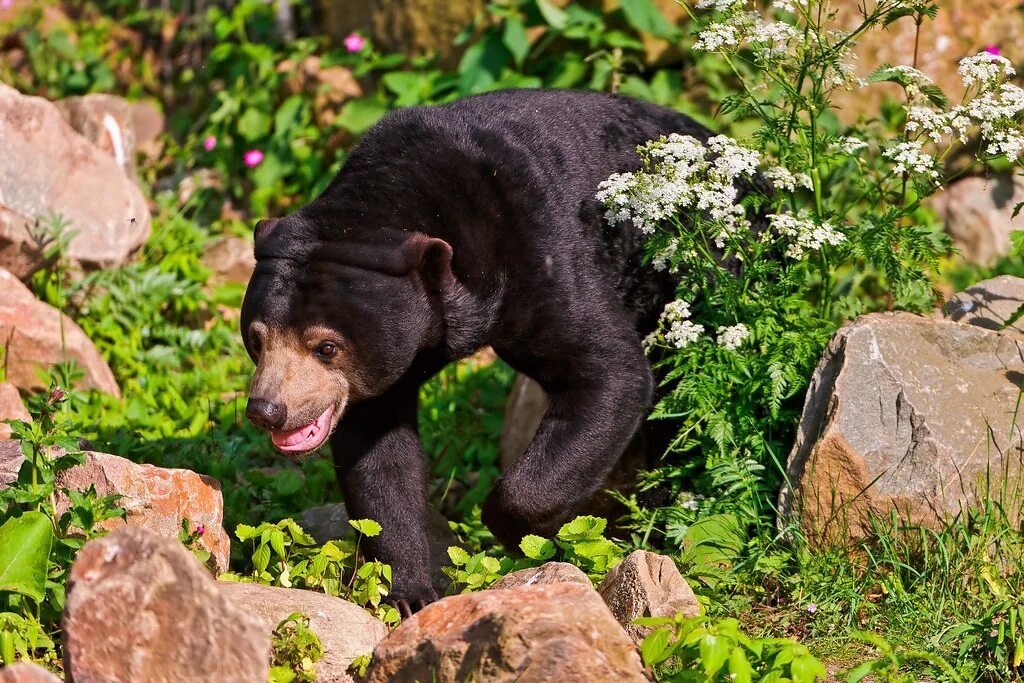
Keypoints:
pixel 327 350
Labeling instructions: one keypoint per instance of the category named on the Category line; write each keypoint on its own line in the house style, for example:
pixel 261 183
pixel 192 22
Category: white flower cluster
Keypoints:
pixel 984 69
pixel 771 40
pixel 849 145
pixel 805 234
pixel 732 337
pixel 663 258
pixel 679 175
pixel 910 158
pixel 719 5
pixel 911 74
pixel 681 330
pixel 785 179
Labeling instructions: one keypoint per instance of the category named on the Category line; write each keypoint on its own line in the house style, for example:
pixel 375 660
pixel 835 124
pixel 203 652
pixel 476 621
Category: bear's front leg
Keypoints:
pixel 380 466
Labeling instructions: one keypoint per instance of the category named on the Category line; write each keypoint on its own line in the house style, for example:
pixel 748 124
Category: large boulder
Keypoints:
pixel 11 408
pixel 907 414
pixel 26 672
pixel 106 121
pixel 978 215
pixel 547 573
pixel 646 585
pixel 35 334
pixel 346 630
pixel 47 169
pixel 990 304
pixel 155 498
pixel 141 608
pixel 231 259
pixel 555 632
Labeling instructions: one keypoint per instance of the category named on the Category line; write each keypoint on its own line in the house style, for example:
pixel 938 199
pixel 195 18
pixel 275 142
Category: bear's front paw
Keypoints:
pixel 409 600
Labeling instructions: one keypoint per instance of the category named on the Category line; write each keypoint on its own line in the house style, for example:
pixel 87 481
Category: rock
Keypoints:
pixel 646 585
pixel 909 414
pixel 35 334
pixel 557 632
pixel 412 27
pixel 149 124
pixel 141 608
pixel 962 28
pixel 978 214
pixel 989 304
pixel 155 498
pixel 527 403
pixel 26 672
pixel 11 408
pixel 107 122
pixel 231 259
pixel 47 170
pixel 330 522
pixel 547 573
pixel 345 630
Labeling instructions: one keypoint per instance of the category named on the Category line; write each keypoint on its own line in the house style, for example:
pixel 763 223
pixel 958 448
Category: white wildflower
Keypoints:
pixel 663 259
pixel 804 234
pixel 689 505
pixel 716 36
pixel 771 40
pixel 909 157
pixel 784 179
pixel 732 337
pixel 912 75
pixel 984 69
pixel 935 124
pixel 681 331
pixel 785 5
pixel 719 5
pixel 849 145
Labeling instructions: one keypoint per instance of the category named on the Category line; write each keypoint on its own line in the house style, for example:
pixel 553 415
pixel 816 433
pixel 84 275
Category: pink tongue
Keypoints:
pixel 306 435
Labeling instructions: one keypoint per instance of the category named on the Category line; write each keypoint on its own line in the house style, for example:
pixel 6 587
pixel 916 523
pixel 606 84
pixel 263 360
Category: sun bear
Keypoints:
pixel 450 228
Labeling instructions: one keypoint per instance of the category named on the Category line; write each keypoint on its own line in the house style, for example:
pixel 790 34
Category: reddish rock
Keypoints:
pixel 106 121
pixel 990 304
pixel 155 498
pixel 47 169
pixel 231 259
pixel 978 215
pixel 558 632
pixel 149 123
pixel 141 608
pixel 11 408
pixel 26 672
pixel 547 573
pixel 35 334
pixel 346 630
pixel 646 585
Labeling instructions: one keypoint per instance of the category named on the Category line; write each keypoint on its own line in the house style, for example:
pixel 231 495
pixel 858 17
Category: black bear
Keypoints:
pixel 450 228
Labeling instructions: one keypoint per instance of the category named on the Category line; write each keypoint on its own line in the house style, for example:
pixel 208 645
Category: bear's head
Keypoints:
pixel 334 315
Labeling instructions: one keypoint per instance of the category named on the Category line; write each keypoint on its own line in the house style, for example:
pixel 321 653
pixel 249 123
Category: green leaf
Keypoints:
pixel 655 648
pixel 458 556
pixel 261 558
pixel 359 114
pixel 714 651
pixel 537 548
pixel 739 667
pixel 244 532
pixel 807 669
pixel 253 125
pixel 514 37
pixel 644 16
pixel 554 16
pixel 277 542
pixel 367 527
pixel 24 554
pixel 583 528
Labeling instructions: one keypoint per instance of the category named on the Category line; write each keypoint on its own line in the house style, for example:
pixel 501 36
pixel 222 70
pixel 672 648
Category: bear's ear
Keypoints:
pixel 430 256
pixel 263 228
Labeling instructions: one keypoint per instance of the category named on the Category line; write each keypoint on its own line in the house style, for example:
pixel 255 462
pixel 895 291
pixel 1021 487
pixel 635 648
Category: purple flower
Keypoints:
pixel 354 42
pixel 57 394
pixel 209 142
pixel 993 50
pixel 253 158
pixel 200 530
pixel 812 608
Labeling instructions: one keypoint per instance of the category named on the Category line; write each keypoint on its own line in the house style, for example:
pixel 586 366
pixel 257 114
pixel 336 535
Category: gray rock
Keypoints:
pixel 48 169
pixel 549 572
pixel 141 608
pixel 909 414
pixel 646 585
pixel 978 213
pixel 346 631
pixel 989 304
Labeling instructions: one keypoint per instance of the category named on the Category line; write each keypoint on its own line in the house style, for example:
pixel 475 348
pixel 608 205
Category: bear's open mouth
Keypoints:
pixel 307 437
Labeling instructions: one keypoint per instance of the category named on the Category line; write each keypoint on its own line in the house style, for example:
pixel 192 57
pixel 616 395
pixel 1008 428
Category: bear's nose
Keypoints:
pixel 264 414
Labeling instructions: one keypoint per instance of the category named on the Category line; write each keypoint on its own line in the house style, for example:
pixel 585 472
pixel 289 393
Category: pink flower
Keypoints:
pixel 253 158
pixel 354 42
pixel 200 530
pixel 209 142
pixel 993 50
pixel 812 608
pixel 6 4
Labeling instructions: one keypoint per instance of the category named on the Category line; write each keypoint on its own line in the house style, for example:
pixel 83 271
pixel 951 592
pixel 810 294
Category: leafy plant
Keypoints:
pixel 295 650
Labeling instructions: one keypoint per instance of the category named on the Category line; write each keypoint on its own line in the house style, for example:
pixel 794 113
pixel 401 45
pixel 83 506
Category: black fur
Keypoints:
pixel 507 181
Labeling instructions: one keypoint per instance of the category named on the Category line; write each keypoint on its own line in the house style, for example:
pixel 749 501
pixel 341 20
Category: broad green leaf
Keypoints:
pixel 253 125
pixel 555 16
pixel 582 528
pixel 644 16
pixel 514 37
pixel 655 648
pixel 261 558
pixel 807 669
pixel 24 554
pixel 739 667
pixel 359 114
pixel 537 548
pixel 277 542
pixel 367 527
pixel 714 651
pixel 458 556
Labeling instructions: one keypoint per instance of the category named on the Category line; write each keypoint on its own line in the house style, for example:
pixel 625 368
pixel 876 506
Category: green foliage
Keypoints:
pixel 26 541
pixel 891 666
pixel 295 650
pixel 285 555
pixel 700 649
